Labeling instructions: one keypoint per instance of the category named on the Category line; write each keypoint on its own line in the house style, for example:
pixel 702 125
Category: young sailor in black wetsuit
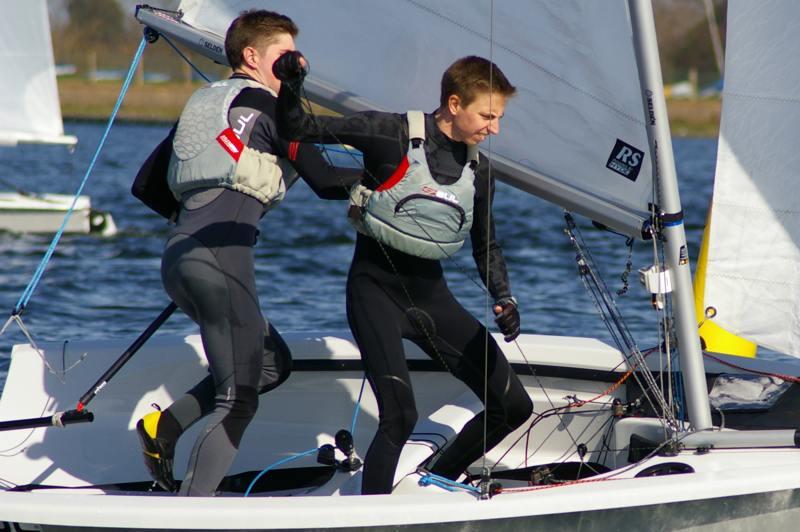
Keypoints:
pixel 228 167
pixel 422 195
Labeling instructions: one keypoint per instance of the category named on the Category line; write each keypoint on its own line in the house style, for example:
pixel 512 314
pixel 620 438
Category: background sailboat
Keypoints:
pixel 753 272
pixel 31 114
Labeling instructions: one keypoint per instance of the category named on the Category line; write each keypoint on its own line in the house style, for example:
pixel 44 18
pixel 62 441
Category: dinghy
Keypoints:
pixel 31 115
pixel 622 437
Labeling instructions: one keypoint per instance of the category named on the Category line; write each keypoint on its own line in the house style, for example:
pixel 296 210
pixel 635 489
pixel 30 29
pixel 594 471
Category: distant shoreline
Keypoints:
pixel 83 100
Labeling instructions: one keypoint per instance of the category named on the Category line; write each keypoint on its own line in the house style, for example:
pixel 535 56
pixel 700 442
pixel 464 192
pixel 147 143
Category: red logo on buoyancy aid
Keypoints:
pixel 441 194
pixel 395 178
pixel 231 143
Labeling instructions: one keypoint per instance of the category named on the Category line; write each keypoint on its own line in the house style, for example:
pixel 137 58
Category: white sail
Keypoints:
pixel 29 104
pixel 578 110
pixel 753 276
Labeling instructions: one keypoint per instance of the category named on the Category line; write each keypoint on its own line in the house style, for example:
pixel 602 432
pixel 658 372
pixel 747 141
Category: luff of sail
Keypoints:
pixel 752 275
pixel 28 92
pixel 575 132
pixel 714 338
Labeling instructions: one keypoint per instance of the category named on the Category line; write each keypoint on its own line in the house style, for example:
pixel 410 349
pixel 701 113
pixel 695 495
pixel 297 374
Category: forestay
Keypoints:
pixel 28 95
pixel 575 132
pixel 752 278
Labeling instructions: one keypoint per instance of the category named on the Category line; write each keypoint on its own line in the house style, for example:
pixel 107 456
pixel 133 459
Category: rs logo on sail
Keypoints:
pixel 625 160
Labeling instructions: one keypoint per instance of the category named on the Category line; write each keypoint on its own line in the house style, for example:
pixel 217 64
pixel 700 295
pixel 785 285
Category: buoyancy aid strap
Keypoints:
pixel 473 156
pixel 416 127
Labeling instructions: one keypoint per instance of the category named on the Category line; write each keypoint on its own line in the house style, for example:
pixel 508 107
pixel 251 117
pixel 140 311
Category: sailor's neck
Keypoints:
pixel 444 125
pixel 243 73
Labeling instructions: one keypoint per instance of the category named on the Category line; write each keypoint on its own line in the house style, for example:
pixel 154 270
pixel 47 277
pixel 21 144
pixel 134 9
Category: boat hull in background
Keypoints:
pixel 44 213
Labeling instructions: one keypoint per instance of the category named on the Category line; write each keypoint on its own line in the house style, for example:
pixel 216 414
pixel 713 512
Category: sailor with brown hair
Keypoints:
pixel 425 191
pixel 228 167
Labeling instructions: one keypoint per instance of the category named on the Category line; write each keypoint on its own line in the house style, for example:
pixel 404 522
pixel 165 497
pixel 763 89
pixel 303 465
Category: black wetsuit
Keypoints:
pixel 392 295
pixel 208 270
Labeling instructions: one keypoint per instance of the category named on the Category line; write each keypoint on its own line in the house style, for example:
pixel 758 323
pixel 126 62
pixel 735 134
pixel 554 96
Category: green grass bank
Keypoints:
pixel 162 102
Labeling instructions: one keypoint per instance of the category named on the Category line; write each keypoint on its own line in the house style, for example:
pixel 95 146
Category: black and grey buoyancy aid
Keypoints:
pixel 413 213
pixel 207 152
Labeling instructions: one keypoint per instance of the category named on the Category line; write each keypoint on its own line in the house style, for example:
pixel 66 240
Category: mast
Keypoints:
pixel 676 251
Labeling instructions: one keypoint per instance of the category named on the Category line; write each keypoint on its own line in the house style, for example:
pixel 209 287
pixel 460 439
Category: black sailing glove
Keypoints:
pixel 291 67
pixel 507 318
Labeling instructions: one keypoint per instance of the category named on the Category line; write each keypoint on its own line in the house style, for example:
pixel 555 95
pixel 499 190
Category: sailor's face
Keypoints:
pixel 267 57
pixel 474 122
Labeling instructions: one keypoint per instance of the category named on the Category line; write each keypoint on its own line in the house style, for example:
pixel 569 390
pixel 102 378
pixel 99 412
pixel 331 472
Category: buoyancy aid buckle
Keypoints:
pixel 359 196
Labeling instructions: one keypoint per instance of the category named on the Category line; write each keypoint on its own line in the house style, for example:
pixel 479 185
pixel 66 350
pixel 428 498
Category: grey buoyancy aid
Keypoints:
pixel 413 213
pixel 207 152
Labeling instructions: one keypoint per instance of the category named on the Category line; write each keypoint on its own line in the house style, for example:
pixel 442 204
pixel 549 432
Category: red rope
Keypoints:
pixel 788 378
pixel 560 484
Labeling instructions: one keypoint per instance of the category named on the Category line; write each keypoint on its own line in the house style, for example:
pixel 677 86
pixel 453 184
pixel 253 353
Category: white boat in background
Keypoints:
pixel 30 112
pixel 621 438
pixel 44 213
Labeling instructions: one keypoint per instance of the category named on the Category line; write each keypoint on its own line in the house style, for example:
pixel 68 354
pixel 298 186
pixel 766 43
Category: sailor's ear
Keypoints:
pixel 453 103
pixel 250 56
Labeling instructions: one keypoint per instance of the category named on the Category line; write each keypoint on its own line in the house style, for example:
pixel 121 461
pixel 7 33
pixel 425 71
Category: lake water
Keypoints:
pixel 111 287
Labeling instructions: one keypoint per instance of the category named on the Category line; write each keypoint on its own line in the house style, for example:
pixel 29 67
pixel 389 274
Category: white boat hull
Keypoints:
pixel 44 213
pixel 742 488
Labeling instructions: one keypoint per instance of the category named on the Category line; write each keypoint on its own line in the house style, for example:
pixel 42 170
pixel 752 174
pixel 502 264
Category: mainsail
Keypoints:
pixel 574 134
pixel 752 278
pixel 28 94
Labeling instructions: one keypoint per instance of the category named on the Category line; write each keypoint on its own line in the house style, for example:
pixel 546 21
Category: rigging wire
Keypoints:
pixel 185 58
pixel 487 303
pixel 615 323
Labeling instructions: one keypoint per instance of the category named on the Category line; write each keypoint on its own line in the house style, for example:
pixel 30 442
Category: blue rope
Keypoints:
pixel 276 464
pixel 358 406
pixel 28 292
pixel 431 479
pixel 315 449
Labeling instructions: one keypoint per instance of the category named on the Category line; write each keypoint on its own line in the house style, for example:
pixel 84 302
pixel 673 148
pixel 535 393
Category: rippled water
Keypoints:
pixel 111 287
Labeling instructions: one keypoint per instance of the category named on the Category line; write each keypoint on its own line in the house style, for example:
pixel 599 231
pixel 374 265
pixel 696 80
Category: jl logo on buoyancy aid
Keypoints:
pixel 413 213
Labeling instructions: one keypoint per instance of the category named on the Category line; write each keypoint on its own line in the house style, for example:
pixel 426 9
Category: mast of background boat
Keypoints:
pixel 676 251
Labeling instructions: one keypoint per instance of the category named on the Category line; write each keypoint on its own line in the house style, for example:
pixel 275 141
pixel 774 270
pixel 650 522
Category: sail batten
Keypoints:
pixel 754 254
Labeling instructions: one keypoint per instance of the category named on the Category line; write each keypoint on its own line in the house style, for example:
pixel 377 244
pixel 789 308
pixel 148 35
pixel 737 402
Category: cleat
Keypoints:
pixel 158 452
